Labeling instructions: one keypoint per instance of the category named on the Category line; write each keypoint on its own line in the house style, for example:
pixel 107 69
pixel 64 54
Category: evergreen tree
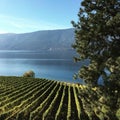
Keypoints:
pixel 97 39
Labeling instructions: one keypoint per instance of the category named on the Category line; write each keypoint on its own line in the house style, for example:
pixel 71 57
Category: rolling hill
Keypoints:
pixel 50 40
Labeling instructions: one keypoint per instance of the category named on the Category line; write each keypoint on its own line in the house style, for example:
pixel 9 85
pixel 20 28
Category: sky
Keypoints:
pixel 22 16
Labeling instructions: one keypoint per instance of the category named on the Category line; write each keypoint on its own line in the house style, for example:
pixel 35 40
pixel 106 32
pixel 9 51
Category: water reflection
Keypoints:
pixel 57 69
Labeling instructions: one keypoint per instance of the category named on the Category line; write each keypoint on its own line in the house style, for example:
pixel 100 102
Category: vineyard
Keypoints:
pixel 41 99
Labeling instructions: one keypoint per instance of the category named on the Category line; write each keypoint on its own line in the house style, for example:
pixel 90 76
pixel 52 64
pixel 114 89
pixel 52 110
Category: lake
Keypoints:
pixel 51 65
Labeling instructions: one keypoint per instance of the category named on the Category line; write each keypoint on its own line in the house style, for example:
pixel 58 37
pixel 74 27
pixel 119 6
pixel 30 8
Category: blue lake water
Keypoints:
pixel 45 65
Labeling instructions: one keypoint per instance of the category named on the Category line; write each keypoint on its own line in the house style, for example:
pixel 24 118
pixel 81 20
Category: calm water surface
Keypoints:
pixel 45 65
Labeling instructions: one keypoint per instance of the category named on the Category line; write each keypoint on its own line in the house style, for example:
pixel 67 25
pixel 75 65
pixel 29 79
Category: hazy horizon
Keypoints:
pixel 39 30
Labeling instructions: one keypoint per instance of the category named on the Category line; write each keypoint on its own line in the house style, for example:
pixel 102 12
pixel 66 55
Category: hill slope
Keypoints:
pixel 40 99
pixel 40 40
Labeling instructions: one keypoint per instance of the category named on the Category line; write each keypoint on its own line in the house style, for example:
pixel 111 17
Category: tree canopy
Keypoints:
pixel 97 39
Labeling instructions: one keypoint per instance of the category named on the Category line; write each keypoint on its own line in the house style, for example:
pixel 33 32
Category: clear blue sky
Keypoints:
pixel 21 16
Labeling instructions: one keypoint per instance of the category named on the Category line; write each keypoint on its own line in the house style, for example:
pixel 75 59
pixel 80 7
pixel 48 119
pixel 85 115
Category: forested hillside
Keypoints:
pixel 40 40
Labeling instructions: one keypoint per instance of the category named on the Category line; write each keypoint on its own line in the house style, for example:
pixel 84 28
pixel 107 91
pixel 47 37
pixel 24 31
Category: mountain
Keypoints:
pixel 50 40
